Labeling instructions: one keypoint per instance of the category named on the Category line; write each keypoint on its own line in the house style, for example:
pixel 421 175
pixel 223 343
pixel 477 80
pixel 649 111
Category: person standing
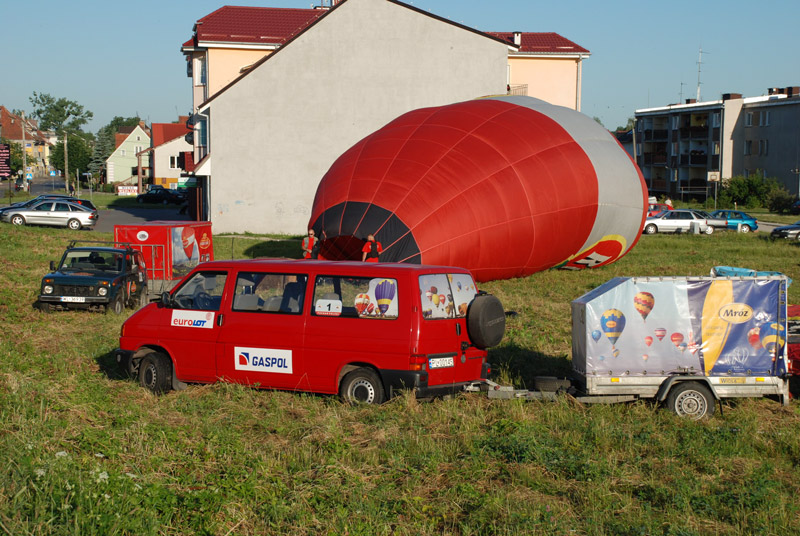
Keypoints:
pixel 309 245
pixel 371 250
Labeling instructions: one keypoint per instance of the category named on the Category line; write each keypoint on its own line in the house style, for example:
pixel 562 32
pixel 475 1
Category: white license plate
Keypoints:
pixel 73 299
pixel 440 362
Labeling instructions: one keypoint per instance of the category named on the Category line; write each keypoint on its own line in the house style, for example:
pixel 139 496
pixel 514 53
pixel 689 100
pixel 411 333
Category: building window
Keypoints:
pixel 675 123
pixel 715 148
pixel 137 149
pixel 122 152
pixel 763 120
pixel 748 119
pixel 763 147
pixel 200 72
pixel 748 147
pixel 173 162
pixel 715 119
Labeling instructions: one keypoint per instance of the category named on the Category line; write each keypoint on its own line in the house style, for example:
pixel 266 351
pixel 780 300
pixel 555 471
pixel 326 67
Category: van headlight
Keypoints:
pixel 102 291
pixel 48 289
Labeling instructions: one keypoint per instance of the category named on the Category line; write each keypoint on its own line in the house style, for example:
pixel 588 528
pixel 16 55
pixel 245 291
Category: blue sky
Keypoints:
pixel 106 55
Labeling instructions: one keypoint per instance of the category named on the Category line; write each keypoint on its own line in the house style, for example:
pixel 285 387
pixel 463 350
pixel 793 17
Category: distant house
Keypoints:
pixel 546 66
pixel 25 133
pixel 168 144
pixel 123 164
pixel 264 141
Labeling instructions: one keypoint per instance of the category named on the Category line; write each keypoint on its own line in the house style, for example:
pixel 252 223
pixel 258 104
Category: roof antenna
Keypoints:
pixel 699 64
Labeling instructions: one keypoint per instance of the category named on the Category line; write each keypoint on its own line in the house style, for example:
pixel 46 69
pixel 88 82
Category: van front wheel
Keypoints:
pixel 361 386
pixel 155 373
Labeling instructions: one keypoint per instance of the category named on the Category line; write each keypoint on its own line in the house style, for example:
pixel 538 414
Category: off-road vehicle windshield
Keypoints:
pixel 98 261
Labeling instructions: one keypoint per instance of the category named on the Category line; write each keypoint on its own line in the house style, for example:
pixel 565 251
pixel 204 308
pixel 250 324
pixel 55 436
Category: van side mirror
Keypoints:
pixel 166 299
pixel 52 266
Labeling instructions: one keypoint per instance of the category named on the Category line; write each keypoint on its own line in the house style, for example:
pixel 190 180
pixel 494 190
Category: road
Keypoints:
pixel 113 216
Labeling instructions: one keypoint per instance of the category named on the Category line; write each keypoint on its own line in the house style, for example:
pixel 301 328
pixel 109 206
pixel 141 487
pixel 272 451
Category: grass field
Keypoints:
pixel 85 451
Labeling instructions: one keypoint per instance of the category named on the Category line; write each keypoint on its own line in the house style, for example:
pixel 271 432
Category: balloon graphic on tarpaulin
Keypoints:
pixel 596 334
pixel 612 323
pixel 677 339
pixel 772 337
pixel 754 337
pixel 644 302
pixel 660 333
pixel 482 184
pixel 384 294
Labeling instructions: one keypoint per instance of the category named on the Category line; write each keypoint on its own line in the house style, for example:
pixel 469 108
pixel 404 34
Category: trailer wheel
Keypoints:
pixel 361 386
pixel 691 399
pixel 155 373
pixel 486 321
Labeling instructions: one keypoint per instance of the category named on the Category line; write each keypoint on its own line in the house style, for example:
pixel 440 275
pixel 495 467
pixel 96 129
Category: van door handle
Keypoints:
pixel 220 318
pixel 458 328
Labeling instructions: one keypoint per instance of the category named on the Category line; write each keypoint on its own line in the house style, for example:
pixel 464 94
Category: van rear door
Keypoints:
pixel 443 338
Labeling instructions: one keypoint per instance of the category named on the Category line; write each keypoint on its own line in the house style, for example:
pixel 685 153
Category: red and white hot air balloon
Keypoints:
pixel 504 186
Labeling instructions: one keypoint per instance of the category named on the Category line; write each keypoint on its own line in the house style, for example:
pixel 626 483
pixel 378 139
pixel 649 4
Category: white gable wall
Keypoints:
pixel 275 133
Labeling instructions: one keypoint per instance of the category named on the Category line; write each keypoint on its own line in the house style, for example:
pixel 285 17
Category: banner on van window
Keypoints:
pixel 446 295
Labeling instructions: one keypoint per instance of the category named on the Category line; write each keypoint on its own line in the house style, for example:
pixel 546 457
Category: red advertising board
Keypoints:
pixel 171 248
pixel 5 160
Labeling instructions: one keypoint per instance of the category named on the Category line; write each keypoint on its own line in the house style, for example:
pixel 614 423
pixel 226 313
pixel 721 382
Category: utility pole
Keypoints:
pixel 24 151
pixel 66 165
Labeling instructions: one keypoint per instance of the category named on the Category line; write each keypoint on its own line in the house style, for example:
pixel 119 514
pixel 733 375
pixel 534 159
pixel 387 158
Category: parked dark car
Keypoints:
pixel 162 196
pixel 790 232
pixel 96 278
pixel 737 220
pixel 795 208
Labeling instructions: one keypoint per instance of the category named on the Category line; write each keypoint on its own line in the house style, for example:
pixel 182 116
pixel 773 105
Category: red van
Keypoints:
pixel 362 330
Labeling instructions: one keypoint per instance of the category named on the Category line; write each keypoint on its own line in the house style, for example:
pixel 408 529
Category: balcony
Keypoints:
pixel 517 89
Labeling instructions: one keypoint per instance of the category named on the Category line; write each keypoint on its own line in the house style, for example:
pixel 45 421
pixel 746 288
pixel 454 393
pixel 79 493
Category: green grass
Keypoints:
pixel 85 451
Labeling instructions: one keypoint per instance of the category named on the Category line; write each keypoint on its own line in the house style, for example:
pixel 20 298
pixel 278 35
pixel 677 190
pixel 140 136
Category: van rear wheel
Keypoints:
pixel 361 386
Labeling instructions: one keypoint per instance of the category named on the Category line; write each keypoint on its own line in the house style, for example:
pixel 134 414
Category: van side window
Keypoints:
pixel 203 292
pixel 269 292
pixel 355 297
pixel 446 295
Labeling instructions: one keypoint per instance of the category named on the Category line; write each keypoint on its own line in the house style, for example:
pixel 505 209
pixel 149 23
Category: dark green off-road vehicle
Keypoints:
pixel 95 278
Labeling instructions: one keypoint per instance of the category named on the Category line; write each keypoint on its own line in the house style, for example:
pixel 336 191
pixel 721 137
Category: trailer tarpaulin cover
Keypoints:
pixel 504 186
pixel 710 326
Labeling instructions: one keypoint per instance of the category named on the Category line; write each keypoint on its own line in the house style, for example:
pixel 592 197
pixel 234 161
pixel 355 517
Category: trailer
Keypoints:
pixel 687 342
pixel 171 249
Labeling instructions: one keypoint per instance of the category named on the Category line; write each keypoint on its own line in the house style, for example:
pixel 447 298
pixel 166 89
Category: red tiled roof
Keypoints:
pixel 164 132
pixel 11 127
pixel 542 43
pixel 265 25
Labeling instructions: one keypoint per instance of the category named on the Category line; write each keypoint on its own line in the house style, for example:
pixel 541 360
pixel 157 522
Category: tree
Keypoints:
pixel 60 114
pixel 78 150
pixel 752 191
pixel 628 126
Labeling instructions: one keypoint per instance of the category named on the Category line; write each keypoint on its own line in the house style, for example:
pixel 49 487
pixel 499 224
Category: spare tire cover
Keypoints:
pixel 486 321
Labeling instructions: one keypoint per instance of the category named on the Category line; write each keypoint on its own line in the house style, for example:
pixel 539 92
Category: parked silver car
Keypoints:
pixel 59 212
pixel 678 221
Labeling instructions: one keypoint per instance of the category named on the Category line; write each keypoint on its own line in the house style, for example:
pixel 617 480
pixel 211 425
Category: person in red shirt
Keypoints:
pixel 372 248
pixel 308 245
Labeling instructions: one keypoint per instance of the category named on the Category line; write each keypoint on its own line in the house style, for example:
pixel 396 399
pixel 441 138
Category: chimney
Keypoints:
pixel 731 96
pixel 691 101
pixel 775 91
pixel 792 91
pixel 518 38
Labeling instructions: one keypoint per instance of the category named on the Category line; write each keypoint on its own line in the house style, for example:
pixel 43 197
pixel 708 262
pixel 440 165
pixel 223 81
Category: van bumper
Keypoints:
pixel 395 381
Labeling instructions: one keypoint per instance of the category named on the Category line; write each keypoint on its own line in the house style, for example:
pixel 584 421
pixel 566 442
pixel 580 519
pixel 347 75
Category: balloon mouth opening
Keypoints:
pixel 341 248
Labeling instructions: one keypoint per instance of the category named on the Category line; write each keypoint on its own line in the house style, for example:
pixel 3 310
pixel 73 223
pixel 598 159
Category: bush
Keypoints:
pixel 748 192
pixel 779 200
